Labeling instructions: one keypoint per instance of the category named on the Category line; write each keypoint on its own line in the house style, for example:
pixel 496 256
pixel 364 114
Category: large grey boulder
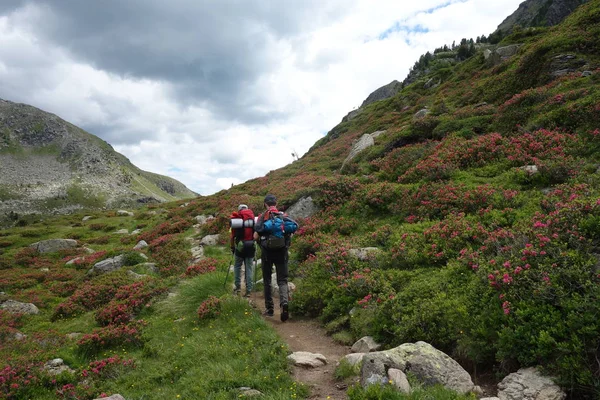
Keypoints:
pixel 16 307
pixel 124 213
pixel 353 358
pixel 303 208
pixel 429 365
pixel 140 245
pixel 203 219
pixel 422 113
pixel 307 359
pixel 53 245
pixel 108 265
pixel 529 384
pixel 365 345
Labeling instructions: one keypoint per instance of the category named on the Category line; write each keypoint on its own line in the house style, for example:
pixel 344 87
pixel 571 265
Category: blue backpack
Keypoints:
pixel 277 228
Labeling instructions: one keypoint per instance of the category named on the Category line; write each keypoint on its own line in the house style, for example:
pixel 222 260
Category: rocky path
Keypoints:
pixel 307 335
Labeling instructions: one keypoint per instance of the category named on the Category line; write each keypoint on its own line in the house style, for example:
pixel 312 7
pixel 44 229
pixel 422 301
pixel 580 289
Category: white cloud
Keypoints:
pixel 310 79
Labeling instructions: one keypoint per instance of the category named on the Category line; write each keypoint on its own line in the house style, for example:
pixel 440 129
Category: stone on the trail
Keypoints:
pixel 140 245
pixel 124 213
pixel 53 245
pixel 353 358
pixel 210 240
pixel 365 345
pixel 16 307
pixel 307 359
pixel 529 384
pixel 203 219
pixel 113 397
pixel 399 380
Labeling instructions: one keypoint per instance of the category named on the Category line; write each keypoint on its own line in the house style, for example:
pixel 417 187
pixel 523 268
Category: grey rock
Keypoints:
pixel 529 384
pixel 432 83
pixel 210 240
pixel 586 73
pixel 367 140
pixel 135 275
pixel 383 92
pixel 352 114
pixel 508 51
pixel 399 380
pixel 73 261
pixel 16 307
pixel 53 245
pixel 365 345
pixel 530 169
pixel 18 336
pixel 136 232
pixel 86 218
pixel 364 253
pixel 150 267
pixel 353 358
pixel 487 53
pixel 57 367
pixel 489 398
pixel 422 113
pixel 88 250
pixel 429 365
pixel 303 208
pixel 108 265
pixel 203 219
pixel 307 359
pixel 140 245
pixel 124 213
pixel 74 335
pixel 44 269
pixel 113 397
pixel 249 392
pixel 122 232
pixel 373 368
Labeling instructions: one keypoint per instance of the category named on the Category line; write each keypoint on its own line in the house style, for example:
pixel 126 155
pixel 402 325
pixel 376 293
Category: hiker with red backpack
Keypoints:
pixel 242 246
pixel 273 231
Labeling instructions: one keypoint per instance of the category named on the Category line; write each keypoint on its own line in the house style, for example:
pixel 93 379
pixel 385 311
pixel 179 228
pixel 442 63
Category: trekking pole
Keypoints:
pixel 254 286
pixel 228 268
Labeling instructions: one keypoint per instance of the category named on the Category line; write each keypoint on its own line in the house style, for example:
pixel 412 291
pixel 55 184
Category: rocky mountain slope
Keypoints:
pixel 51 166
pixel 532 13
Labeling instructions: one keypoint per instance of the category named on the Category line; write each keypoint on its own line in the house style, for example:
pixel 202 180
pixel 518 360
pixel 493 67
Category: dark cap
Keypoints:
pixel 270 199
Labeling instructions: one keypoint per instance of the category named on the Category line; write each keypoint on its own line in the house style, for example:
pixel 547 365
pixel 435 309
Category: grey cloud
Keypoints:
pixel 211 52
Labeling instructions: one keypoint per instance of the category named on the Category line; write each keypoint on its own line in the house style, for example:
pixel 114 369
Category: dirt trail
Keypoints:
pixel 307 335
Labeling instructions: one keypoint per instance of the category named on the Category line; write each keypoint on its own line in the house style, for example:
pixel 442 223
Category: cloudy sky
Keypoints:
pixel 219 92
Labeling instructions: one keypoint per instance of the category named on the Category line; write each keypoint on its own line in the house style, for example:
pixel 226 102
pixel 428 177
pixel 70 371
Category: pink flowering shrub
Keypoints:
pixel 209 308
pixel 112 335
pixel 202 267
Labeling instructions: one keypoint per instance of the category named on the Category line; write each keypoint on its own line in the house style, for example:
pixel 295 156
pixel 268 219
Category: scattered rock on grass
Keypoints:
pixel 529 384
pixel 53 245
pixel 16 307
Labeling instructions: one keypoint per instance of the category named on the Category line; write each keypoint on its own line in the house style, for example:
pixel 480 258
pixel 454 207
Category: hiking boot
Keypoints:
pixel 268 312
pixel 247 294
pixel 285 314
pixel 236 291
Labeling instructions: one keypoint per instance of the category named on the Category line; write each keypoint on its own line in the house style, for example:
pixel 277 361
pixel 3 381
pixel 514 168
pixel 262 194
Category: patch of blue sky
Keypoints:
pixel 397 27
pixel 174 169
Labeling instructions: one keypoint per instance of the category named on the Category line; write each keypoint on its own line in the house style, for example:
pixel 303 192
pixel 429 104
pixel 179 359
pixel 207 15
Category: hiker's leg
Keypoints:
pixel 281 266
pixel 267 266
pixel 237 272
pixel 249 274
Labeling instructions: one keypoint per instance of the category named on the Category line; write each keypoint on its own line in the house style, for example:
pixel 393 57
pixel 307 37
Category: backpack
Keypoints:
pixel 243 226
pixel 278 228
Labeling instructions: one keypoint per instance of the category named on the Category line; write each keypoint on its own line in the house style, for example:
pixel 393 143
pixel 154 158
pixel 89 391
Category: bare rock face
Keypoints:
pixel 303 208
pixel 53 245
pixel 383 93
pixel 529 384
pixel 210 240
pixel 367 140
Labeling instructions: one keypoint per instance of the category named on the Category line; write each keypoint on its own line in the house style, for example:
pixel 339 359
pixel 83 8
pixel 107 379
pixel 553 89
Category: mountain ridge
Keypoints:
pixel 52 166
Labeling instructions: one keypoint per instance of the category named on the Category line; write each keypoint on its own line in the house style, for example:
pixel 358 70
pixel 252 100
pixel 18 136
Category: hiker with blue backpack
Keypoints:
pixel 273 231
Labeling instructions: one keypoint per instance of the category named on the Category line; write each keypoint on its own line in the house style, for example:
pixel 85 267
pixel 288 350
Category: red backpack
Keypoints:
pixel 247 231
